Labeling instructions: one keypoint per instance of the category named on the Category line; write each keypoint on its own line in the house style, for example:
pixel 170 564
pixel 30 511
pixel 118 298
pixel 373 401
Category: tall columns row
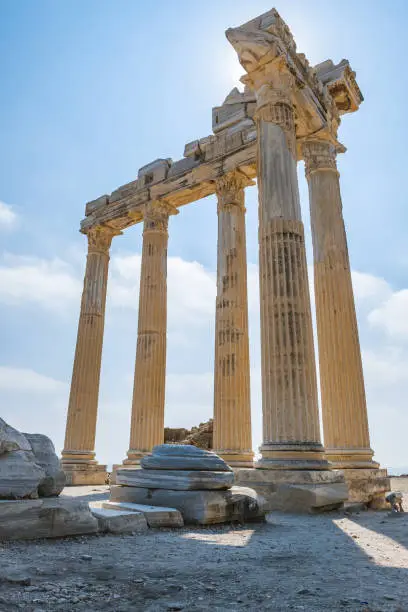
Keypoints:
pixel 291 431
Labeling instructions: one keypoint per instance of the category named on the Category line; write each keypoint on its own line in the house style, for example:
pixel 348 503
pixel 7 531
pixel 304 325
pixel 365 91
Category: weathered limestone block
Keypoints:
pixel 368 486
pixel 155 516
pixel 179 480
pixel 198 507
pixel 20 476
pixel 28 519
pixel 296 490
pixel 117 521
pixel 11 439
pixel 45 456
pixel 183 457
pixel 78 474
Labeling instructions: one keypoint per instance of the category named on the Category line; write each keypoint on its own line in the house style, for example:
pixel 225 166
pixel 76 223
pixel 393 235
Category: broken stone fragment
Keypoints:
pixel 29 466
pixel 46 458
pixel 178 480
pixel 183 457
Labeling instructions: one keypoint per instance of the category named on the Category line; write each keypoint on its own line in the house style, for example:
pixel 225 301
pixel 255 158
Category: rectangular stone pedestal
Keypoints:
pixel 84 474
pixel 198 507
pixel 367 486
pixel 296 491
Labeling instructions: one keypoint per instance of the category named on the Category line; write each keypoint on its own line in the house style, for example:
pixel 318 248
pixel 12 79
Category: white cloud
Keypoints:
pixel 51 284
pixel 191 288
pixel 8 217
pixel 24 380
pixel 391 315
pixel 368 287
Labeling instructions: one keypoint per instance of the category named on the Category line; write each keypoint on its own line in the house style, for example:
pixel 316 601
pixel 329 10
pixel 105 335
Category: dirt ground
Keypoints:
pixel 312 563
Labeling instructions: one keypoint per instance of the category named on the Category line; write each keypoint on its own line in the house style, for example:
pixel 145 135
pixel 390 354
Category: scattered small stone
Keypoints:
pixel 18 580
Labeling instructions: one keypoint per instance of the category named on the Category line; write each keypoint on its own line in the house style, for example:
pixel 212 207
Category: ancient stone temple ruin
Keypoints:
pixel 289 111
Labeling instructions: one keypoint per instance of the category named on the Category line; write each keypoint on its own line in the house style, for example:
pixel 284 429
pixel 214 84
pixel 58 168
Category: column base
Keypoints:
pixel 78 474
pixel 292 456
pixel 351 458
pixel 236 458
pixel 296 491
pixel 134 456
pixel 367 486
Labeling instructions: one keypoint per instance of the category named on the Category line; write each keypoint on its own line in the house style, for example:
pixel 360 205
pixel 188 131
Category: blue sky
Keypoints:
pixel 94 90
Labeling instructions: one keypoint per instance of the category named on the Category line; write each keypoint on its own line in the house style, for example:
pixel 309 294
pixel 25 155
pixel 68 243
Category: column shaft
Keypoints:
pixel 232 403
pixel 83 400
pixel 291 433
pixel 344 408
pixel 147 424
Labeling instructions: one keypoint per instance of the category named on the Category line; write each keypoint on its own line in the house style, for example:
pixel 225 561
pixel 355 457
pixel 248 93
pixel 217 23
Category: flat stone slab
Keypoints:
pixel 183 457
pixel 155 516
pixel 117 521
pixel 198 507
pixel 297 491
pixel 27 519
pixel 178 480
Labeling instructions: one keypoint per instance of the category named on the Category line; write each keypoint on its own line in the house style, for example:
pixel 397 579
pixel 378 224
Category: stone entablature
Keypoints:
pixel 319 95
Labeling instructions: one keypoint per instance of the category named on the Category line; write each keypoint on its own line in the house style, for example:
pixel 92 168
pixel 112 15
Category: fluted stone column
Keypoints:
pixel 291 433
pixel 78 456
pixel 344 410
pixel 232 403
pixel 147 424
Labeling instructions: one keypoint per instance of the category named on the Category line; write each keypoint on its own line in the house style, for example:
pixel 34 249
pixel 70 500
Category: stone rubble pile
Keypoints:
pixel 196 482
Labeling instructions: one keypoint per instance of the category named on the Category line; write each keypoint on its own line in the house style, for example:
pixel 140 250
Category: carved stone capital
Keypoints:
pixel 319 155
pixel 156 216
pixel 100 239
pixel 230 190
pixel 275 106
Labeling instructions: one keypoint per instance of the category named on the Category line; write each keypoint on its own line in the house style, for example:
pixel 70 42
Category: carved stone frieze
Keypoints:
pixel 230 190
pixel 319 155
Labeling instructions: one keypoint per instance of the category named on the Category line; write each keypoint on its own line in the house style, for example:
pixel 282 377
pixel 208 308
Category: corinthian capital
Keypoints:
pixel 100 238
pixel 156 215
pixel 230 190
pixel 319 155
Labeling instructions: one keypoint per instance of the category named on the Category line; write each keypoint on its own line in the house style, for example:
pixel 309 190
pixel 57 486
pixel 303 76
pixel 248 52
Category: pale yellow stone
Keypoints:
pixel 344 409
pixel 232 403
pixel 147 422
pixel 83 400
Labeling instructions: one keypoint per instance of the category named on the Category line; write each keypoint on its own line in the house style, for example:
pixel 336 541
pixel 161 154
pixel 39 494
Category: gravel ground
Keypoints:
pixel 312 563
